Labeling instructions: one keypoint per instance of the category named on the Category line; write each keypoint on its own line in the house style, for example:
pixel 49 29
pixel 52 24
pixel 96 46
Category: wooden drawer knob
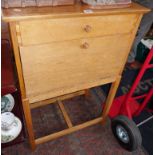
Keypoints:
pixel 85 45
pixel 87 28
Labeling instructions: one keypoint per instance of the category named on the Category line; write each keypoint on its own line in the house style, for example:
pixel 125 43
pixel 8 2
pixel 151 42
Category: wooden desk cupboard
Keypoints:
pixel 63 51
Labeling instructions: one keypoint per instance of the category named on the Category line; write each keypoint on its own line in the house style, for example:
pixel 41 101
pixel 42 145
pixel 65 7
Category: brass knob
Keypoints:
pixel 85 45
pixel 87 28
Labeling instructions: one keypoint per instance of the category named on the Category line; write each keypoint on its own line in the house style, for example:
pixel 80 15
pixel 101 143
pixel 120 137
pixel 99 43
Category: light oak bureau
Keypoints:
pixel 63 51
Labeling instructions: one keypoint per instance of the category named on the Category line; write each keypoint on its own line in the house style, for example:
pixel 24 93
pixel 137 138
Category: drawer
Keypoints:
pixel 60 68
pixel 50 30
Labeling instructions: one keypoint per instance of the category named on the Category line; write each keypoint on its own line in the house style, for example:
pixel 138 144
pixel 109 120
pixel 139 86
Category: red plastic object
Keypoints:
pixel 127 104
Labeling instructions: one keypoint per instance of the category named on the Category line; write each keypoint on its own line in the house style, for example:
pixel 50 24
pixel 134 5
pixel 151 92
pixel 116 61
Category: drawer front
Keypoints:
pixel 56 69
pixel 49 30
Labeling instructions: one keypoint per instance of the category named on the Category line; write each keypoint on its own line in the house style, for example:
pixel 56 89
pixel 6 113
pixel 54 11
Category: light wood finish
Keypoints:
pixel 64 50
pixel 50 30
pixel 71 69
pixel 131 40
pixel 110 98
pixel 19 14
pixel 67 131
pixel 52 100
pixel 28 119
pixel 15 45
pixel 66 117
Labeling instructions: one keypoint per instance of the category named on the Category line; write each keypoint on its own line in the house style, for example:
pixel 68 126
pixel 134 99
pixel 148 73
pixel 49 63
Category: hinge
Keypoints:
pixel 18 33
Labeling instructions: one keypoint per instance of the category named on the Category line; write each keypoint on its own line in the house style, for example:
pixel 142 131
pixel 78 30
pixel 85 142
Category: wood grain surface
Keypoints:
pixel 49 30
pixel 12 14
pixel 55 69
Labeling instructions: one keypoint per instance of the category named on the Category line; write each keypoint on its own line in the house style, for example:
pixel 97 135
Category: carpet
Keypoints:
pixel 94 140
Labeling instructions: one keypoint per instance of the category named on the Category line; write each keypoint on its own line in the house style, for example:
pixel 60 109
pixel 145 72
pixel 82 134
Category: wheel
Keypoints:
pixel 126 132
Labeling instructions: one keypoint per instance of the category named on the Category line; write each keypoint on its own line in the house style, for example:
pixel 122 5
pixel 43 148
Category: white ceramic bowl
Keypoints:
pixel 7 103
pixel 10 127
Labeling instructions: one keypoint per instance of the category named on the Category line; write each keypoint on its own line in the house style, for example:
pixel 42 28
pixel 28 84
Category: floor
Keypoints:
pixel 146 130
pixel 94 140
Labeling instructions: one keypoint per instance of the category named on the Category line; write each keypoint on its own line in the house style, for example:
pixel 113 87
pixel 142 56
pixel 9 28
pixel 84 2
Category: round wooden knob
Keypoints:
pixel 85 45
pixel 87 28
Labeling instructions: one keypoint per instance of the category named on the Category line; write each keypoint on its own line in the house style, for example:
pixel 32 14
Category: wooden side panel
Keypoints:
pixel 49 30
pixel 60 68
pixel 16 51
pixel 131 40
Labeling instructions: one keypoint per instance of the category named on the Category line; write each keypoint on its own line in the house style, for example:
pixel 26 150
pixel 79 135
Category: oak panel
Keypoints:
pixel 62 29
pixel 60 68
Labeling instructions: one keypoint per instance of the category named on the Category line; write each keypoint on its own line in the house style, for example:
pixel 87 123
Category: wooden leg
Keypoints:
pixel 68 131
pixel 110 98
pixel 28 119
pixel 66 117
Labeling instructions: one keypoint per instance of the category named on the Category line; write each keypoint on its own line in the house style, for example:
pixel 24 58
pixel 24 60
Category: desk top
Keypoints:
pixel 16 14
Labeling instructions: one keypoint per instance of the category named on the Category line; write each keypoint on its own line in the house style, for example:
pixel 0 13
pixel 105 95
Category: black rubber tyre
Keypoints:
pixel 133 139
